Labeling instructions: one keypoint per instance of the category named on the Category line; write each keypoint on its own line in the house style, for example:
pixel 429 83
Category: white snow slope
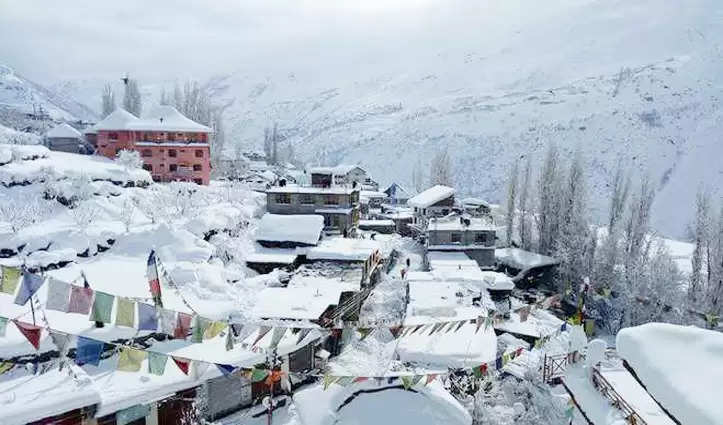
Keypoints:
pixel 635 81
pixel 681 367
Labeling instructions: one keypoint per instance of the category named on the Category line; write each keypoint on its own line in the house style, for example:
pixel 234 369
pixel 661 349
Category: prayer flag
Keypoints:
pixel 563 328
pixel 214 329
pixel 30 331
pixel 436 328
pixel 147 319
pixel 30 285
pixel 276 337
pixel 3 326
pixel 519 351
pixel 524 313
pixel 182 363
pixel 416 379
pixel 364 332
pixel 11 276
pixel 538 343
pixel 167 320
pixel 589 327
pixel 416 328
pixel 199 368
pixel 58 295
pixel 407 382
pixel 156 363
pixel 183 326
pixel 199 328
pixel 61 341
pixel 477 372
pixel 88 351
pixel 102 307
pixel 132 414
pixel 488 322
pixel 125 314
pixel 154 283
pixel 431 377
pixel 225 369
pixel 5 367
pixel 459 325
pixel 130 359
pixel 258 375
pixel 263 330
pixel 80 299
pixel 498 363
pixel 229 340
pixel 345 381
pixel 480 319
pixel 360 379
pixel 396 331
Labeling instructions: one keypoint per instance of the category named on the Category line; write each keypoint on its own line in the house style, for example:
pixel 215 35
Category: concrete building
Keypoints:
pixel 338 205
pixel 473 236
pixel 173 147
pixel 65 138
pixel 437 201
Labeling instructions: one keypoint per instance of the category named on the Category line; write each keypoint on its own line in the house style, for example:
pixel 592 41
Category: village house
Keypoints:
pixel 340 175
pixel 65 138
pixel 471 235
pixel 475 207
pixel 437 201
pixel 338 205
pixel 396 195
pixel 173 147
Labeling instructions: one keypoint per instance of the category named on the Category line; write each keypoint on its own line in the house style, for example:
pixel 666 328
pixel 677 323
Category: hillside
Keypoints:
pixel 635 82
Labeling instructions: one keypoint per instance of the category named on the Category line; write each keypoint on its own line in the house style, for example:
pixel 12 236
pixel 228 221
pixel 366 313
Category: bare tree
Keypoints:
pixel 108 101
pixel 548 202
pixel 701 253
pixel 126 213
pixel 132 101
pixel 524 207
pixel 440 170
pixel 511 201
pixel 84 214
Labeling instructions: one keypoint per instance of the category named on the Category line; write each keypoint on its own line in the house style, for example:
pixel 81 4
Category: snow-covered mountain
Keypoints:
pixel 636 82
pixel 20 95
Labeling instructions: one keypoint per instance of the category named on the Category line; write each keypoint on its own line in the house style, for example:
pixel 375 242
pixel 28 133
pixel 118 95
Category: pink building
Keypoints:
pixel 173 147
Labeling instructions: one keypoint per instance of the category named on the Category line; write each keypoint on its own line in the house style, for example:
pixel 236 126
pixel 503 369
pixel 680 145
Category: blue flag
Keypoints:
pixel 563 327
pixel 30 285
pixel 88 351
pixel 498 363
pixel 226 369
pixel 147 319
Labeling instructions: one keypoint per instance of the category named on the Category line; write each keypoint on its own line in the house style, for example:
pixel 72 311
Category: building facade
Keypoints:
pixel 338 205
pixel 172 147
pixel 473 236
pixel 64 138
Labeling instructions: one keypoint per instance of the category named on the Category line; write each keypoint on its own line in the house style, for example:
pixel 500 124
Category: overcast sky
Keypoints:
pixel 54 40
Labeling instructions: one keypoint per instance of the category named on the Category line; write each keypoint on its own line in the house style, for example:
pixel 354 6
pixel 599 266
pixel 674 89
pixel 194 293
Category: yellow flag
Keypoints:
pixel 130 359
pixel 214 329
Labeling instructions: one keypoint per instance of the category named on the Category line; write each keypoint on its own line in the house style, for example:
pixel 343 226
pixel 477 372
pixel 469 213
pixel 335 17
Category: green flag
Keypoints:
pixel 125 314
pixel 5 367
pixel 102 307
pixel 407 382
pixel 3 326
pixel 364 332
pixel 276 337
pixel 11 276
pixel 214 329
pixel 199 328
pixel 505 358
pixel 130 359
pixel 258 375
pixel 416 379
pixel 328 380
pixel 156 363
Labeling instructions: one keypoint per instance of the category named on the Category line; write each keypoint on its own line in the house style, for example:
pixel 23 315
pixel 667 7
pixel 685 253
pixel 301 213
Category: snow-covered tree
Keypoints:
pixel 699 260
pixel 218 144
pixel 126 213
pixel 440 169
pixel 132 101
pixel 108 101
pixel 418 176
pixel 164 98
pixel 524 207
pixel 271 144
pixel 84 214
pixel 511 201
pixel 130 160
pixel 547 214
pixel 715 267
pixel 21 213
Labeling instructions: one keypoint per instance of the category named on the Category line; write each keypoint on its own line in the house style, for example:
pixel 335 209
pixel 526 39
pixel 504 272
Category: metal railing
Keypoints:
pixel 606 389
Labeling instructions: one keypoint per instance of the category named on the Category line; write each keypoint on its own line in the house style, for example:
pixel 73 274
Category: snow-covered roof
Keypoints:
pixel 302 303
pixel 431 196
pixel 63 131
pixel 372 223
pixel 334 190
pixel 681 367
pixel 521 259
pixel 372 194
pixel 344 249
pixel 396 191
pixel 162 118
pixel 303 229
pixel 272 255
pixel 474 202
pixel 341 169
pixel 459 223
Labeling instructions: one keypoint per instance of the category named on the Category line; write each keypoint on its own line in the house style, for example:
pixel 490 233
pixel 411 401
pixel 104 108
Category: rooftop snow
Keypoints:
pixel 474 202
pixel 431 196
pixel 303 229
pixel 454 223
pixel 521 259
pixel 681 367
pixel 64 131
pixel 163 118
pixel 341 169
pixel 334 190
pixel 344 249
pixel 303 303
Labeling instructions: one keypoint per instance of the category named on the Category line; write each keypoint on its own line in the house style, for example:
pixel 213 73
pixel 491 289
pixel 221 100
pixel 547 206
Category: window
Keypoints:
pixel 199 153
pixel 173 167
pixel 113 136
pixel 306 199
pixel 146 136
pixel 197 167
pixel 445 211
pixel 147 153
pixel 331 200
pixel 480 238
pixel 456 237
pixel 198 181
pixel 172 153
pixel 148 167
pixel 283 198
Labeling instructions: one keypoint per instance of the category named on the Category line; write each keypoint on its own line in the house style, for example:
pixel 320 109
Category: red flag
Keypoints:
pixel 430 378
pixel 182 364
pixel 30 331
pixel 483 369
pixel 396 330
pixel 519 351
pixel 183 326
pixel 360 379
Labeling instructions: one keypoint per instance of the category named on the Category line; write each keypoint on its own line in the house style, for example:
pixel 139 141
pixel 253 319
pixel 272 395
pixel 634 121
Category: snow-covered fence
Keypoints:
pixel 617 400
